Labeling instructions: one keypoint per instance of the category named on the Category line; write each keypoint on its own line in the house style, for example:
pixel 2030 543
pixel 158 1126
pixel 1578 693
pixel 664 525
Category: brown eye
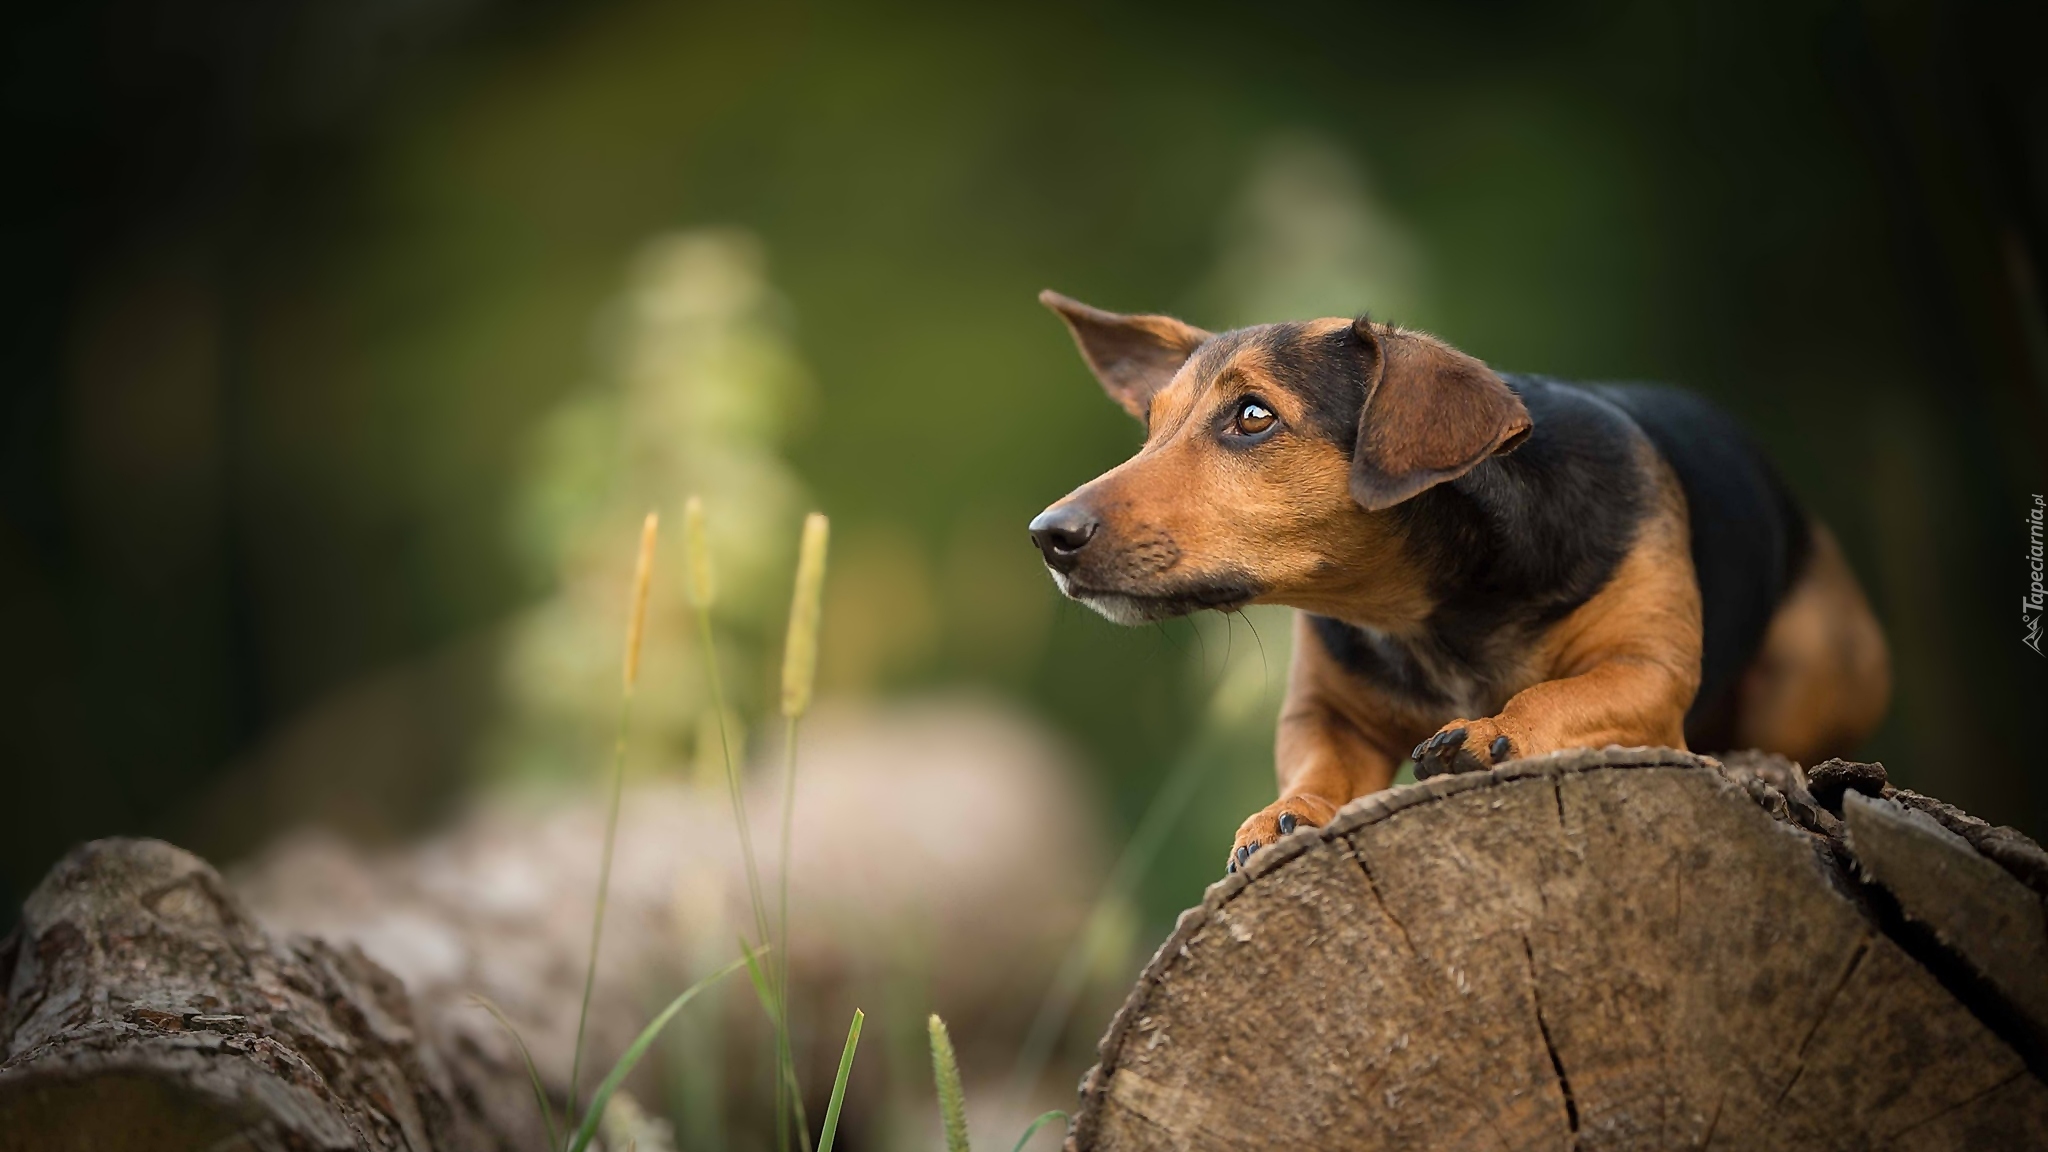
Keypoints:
pixel 1253 418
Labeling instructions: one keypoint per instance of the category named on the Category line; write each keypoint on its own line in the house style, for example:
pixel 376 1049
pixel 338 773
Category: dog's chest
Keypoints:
pixel 1423 675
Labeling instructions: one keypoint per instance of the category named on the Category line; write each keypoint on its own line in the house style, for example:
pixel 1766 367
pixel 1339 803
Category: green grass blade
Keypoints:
pixel 588 1129
pixel 952 1099
pixel 785 1072
pixel 732 777
pixel 1041 1122
pixel 540 1094
pixel 839 1084
pixel 762 991
pixel 604 880
pixel 785 1058
pixel 800 1121
pixel 746 835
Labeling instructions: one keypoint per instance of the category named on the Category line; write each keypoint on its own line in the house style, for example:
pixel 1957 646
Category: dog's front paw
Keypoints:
pixel 1275 820
pixel 1464 746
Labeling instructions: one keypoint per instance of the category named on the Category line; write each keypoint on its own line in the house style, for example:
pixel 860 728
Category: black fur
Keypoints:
pixel 1522 540
pixel 1327 374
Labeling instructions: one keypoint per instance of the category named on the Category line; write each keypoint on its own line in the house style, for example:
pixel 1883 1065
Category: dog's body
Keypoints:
pixel 1496 566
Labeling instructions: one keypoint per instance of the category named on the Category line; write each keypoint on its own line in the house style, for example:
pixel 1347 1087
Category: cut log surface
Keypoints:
pixel 1621 949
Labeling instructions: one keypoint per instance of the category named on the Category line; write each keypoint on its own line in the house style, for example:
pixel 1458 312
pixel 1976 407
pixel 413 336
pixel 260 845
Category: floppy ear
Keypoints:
pixel 1133 356
pixel 1431 414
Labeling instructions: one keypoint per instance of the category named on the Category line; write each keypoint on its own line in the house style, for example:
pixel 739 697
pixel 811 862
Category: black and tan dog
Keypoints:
pixel 1493 565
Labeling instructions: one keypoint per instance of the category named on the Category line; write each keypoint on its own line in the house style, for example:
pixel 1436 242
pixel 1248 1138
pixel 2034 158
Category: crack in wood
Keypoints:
pixel 1820 1017
pixel 1373 887
pixel 1957 1106
pixel 1713 1122
pixel 1564 1084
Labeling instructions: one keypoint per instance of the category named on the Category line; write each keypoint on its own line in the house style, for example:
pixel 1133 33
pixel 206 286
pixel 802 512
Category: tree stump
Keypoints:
pixel 1629 948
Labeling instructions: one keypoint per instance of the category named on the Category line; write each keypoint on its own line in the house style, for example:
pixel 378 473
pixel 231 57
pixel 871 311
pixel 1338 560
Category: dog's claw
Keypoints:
pixel 1276 821
pixel 1441 752
pixel 1500 749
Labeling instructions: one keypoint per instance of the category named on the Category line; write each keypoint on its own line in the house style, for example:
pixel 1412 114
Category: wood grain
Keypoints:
pixel 1596 950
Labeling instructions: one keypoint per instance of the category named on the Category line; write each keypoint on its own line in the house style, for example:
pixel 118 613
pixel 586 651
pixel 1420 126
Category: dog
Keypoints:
pixel 1485 565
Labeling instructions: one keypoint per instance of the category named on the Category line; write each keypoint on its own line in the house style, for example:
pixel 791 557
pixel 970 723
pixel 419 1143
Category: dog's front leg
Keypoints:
pixel 1331 748
pixel 1623 668
pixel 1628 700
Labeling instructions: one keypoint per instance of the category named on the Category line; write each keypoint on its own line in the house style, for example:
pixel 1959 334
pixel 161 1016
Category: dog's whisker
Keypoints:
pixel 1265 668
pixel 1170 637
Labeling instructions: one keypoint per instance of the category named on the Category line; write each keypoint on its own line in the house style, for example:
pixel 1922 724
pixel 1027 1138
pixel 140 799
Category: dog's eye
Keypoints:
pixel 1253 418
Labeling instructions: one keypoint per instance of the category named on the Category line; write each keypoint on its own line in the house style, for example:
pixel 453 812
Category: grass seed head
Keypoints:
pixel 643 578
pixel 952 1099
pixel 800 655
pixel 694 542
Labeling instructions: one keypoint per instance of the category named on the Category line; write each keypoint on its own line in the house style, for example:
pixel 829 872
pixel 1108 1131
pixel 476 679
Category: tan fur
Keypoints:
pixel 1823 678
pixel 1286 514
pixel 1431 414
pixel 1337 739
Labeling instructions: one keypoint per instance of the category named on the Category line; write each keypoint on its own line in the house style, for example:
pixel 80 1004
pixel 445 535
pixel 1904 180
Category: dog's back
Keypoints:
pixel 1791 659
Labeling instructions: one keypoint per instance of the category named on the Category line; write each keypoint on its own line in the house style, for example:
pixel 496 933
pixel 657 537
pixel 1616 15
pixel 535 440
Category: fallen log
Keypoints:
pixel 323 996
pixel 1629 948
pixel 144 1009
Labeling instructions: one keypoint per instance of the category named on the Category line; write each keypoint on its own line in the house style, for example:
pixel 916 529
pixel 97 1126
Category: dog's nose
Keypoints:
pixel 1061 533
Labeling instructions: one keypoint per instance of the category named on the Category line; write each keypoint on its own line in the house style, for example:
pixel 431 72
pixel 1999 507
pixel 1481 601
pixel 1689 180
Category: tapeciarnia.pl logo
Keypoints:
pixel 2036 598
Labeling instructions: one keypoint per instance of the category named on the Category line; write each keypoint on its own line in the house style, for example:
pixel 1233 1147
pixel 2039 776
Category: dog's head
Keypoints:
pixel 1271 458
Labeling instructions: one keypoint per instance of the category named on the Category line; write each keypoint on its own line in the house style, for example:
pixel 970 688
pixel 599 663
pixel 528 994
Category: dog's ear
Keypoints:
pixel 1133 356
pixel 1431 414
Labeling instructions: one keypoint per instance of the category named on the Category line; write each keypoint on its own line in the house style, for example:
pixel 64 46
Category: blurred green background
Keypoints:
pixel 301 300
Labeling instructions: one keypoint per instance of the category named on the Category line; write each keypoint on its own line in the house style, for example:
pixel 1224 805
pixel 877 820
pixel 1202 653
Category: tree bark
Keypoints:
pixel 1630 948
pixel 145 1010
